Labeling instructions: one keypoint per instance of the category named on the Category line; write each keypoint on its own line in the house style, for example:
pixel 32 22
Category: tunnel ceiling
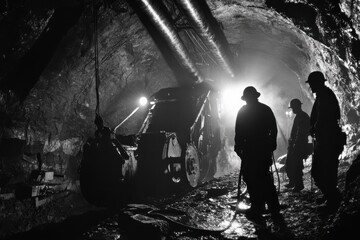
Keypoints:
pixel 47 60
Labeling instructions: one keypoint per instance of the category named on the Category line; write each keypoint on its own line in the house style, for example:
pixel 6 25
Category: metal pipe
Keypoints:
pixel 202 18
pixel 197 41
pixel 160 21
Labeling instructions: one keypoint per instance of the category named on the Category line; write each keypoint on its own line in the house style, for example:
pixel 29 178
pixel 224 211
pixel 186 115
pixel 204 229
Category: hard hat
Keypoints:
pixel 294 103
pixel 250 92
pixel 316 76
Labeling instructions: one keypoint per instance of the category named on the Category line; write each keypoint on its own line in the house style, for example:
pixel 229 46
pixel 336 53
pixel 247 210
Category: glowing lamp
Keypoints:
pixel 289 113
pixel 143 101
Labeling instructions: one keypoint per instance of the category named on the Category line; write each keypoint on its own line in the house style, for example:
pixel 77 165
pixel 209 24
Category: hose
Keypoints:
pixel 240 194
pixel 277 172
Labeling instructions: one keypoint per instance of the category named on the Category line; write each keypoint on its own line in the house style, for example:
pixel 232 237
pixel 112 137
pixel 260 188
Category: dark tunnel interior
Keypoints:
pixel 65 63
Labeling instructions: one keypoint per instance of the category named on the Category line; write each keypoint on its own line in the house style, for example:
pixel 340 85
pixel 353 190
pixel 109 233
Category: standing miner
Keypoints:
pixel 255 141
pixel 329 141
pixel 298 146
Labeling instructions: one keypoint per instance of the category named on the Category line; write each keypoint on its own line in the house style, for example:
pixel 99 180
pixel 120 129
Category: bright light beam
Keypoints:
pixel 132 113
pixel 142 101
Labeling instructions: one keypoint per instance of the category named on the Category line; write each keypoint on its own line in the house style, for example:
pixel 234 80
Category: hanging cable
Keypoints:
pixel 96 52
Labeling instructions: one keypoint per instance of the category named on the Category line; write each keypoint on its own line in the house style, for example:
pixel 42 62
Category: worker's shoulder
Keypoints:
pixel 264 106
pixel 326 91
pixel 303 114
pixel 302 117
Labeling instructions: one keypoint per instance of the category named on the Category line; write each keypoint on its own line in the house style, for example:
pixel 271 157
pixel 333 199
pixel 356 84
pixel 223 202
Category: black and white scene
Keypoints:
pixel 179 119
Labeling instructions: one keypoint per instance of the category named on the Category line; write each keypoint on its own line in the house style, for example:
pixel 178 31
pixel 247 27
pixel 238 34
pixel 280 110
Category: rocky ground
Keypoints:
pixel 209 209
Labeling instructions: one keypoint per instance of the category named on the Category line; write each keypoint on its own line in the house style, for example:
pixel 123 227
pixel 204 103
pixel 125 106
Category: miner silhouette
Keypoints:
pixel 255 141
pixel 101 175
pixel 297 147
pixel 329 140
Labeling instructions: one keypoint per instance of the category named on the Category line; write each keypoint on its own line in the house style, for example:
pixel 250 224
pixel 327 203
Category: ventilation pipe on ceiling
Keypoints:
pixel 200 15
pixel 159 20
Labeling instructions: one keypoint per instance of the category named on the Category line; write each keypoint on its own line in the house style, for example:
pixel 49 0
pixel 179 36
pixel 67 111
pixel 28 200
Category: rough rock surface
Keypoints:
pixel 47 79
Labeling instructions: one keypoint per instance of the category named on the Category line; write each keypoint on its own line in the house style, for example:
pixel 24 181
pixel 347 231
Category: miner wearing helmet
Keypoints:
pixel 298 146
pixel 255 141
pixel 329 140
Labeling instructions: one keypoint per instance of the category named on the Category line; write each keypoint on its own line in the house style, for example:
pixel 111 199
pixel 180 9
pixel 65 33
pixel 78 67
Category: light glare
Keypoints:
pixel 243 206
pixel 143 101
pixel 231 101
pixel 289 113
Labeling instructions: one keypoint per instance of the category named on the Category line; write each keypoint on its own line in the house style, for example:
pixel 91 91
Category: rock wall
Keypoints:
pixel 47 78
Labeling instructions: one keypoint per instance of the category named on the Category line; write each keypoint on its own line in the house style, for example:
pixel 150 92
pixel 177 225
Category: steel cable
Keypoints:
pixel 96 52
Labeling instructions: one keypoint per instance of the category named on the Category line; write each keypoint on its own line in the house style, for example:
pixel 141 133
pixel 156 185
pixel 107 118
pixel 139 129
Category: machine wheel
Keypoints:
pixel 192 165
